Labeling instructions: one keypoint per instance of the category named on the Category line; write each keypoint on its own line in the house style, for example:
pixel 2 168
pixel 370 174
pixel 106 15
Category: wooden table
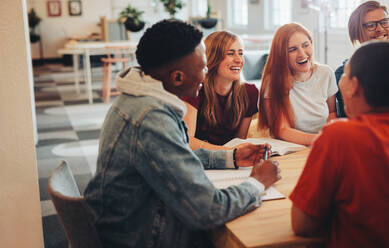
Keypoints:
pixel 87 49
pixel 269 225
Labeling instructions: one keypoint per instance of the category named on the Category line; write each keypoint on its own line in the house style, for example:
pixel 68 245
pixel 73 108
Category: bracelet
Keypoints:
pixel 234 158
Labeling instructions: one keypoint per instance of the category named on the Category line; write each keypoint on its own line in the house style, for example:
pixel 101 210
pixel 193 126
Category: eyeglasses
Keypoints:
pixel 371 26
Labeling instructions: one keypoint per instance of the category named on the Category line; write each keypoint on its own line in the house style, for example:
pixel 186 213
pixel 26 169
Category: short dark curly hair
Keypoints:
pixel 165 42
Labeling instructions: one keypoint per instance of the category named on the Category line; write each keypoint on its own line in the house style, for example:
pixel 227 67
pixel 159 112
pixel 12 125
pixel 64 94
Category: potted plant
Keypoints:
pixel 33 21
pixel 172 6
pixel 130 16
pixel 208 22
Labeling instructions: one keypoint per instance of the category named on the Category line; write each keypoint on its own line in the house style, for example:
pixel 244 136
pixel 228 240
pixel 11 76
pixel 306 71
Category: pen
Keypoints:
pixel 266 153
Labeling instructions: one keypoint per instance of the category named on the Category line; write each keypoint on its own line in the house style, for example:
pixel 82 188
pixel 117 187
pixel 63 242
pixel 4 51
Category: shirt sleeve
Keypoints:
pixel 338 73
pixel 176 175
pixel 314 192
pixel 252 93
pixel 332 86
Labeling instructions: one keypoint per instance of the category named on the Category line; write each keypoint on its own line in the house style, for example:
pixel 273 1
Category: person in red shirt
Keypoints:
pixel 343 191
pixel 224 107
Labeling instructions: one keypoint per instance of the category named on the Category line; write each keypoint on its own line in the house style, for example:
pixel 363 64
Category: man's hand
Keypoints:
pixel 266 172
pixel 248 154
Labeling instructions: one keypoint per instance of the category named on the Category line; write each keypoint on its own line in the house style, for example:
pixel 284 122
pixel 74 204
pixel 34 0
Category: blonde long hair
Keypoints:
pixel 277 79
pixel 237 100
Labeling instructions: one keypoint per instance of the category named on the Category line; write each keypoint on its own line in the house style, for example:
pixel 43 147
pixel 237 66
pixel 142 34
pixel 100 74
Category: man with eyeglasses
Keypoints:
pixel 369 21
pixel 372 26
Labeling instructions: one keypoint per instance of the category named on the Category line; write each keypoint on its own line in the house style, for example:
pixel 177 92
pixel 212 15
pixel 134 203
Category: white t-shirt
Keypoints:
pixel 309 99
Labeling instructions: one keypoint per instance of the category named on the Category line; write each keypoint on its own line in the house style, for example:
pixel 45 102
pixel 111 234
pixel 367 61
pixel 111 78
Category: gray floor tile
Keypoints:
pixel 65 132
pixel 54 236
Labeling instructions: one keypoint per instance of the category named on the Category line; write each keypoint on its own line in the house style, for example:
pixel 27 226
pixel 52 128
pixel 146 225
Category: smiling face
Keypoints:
pixel 195 70
pixel 300 54
pixel 231 66
pixel 380 33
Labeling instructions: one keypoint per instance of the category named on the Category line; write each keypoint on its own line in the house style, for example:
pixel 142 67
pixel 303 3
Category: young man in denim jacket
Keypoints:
pixel 150 189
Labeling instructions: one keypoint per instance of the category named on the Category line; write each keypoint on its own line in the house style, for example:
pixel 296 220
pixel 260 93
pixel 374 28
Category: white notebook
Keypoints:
pixel 225 178
pixel 278 147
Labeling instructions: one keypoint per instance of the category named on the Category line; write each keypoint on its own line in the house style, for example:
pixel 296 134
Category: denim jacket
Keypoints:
pixel 150 189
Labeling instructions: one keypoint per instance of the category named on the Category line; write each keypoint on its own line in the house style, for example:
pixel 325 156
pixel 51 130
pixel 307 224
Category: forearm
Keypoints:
pixel 195 144
pixel 296 136
pixel 215 159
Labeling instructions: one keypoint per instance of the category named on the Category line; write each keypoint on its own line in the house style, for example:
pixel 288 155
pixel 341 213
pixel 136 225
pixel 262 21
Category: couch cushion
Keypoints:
pixel 254 63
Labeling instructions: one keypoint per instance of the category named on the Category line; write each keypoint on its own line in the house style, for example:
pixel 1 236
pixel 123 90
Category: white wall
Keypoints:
pixel 56 30
pixel 20 215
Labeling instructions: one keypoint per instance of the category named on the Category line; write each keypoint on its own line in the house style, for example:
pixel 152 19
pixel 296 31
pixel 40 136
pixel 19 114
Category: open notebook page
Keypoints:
pixel 225 178
pixel 278 147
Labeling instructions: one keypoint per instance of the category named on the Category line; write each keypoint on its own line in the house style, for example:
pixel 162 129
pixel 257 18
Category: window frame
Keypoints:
pixel 269 25
pixel 231 15
pixel 196 11
pixel 333 14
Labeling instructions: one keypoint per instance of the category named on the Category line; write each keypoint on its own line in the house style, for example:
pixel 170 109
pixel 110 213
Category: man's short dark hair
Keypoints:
pixel 165 42
pixel 370 64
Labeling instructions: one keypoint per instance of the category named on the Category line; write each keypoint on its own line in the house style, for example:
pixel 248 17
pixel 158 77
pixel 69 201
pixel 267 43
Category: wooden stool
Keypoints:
pixel 115 54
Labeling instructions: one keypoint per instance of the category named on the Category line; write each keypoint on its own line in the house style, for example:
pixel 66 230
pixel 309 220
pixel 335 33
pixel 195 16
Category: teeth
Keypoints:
pixel 302 61
pixel 381 37
pixel 235 68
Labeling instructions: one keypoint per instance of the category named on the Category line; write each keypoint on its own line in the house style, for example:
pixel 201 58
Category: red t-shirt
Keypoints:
pixel 221 134
pixel 345 182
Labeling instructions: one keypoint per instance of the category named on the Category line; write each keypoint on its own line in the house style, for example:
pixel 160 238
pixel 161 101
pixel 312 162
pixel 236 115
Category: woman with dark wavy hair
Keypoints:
pixel 225 106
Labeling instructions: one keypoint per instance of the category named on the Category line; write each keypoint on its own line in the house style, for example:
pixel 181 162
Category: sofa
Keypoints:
pixel 255 61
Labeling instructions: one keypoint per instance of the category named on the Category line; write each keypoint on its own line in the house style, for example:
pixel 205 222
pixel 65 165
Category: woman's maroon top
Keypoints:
pixel 221 133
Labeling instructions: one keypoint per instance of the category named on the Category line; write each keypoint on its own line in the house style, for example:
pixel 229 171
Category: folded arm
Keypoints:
pixel 300 137
pixel 294 135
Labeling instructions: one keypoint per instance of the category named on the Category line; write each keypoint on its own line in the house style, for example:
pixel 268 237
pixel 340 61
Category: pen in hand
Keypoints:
pixel 266 153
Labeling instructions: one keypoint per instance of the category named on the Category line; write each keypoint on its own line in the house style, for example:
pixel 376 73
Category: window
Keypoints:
pixel 278 12
pixel 199 8
pixel 238 11
pixel 341 11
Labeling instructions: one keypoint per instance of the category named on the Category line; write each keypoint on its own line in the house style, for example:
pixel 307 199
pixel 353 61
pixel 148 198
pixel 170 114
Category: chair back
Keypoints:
pixel 118 53
pixel 73 212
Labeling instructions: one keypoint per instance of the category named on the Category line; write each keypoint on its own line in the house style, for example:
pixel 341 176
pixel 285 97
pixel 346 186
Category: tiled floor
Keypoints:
pixel 68 129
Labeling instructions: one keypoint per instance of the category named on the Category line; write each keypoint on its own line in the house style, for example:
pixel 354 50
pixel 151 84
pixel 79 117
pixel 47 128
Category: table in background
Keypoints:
pixel 270 224
pixel 87 49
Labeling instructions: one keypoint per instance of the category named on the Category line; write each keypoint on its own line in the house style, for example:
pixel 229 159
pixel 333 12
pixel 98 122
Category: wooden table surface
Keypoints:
pixel 269 225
